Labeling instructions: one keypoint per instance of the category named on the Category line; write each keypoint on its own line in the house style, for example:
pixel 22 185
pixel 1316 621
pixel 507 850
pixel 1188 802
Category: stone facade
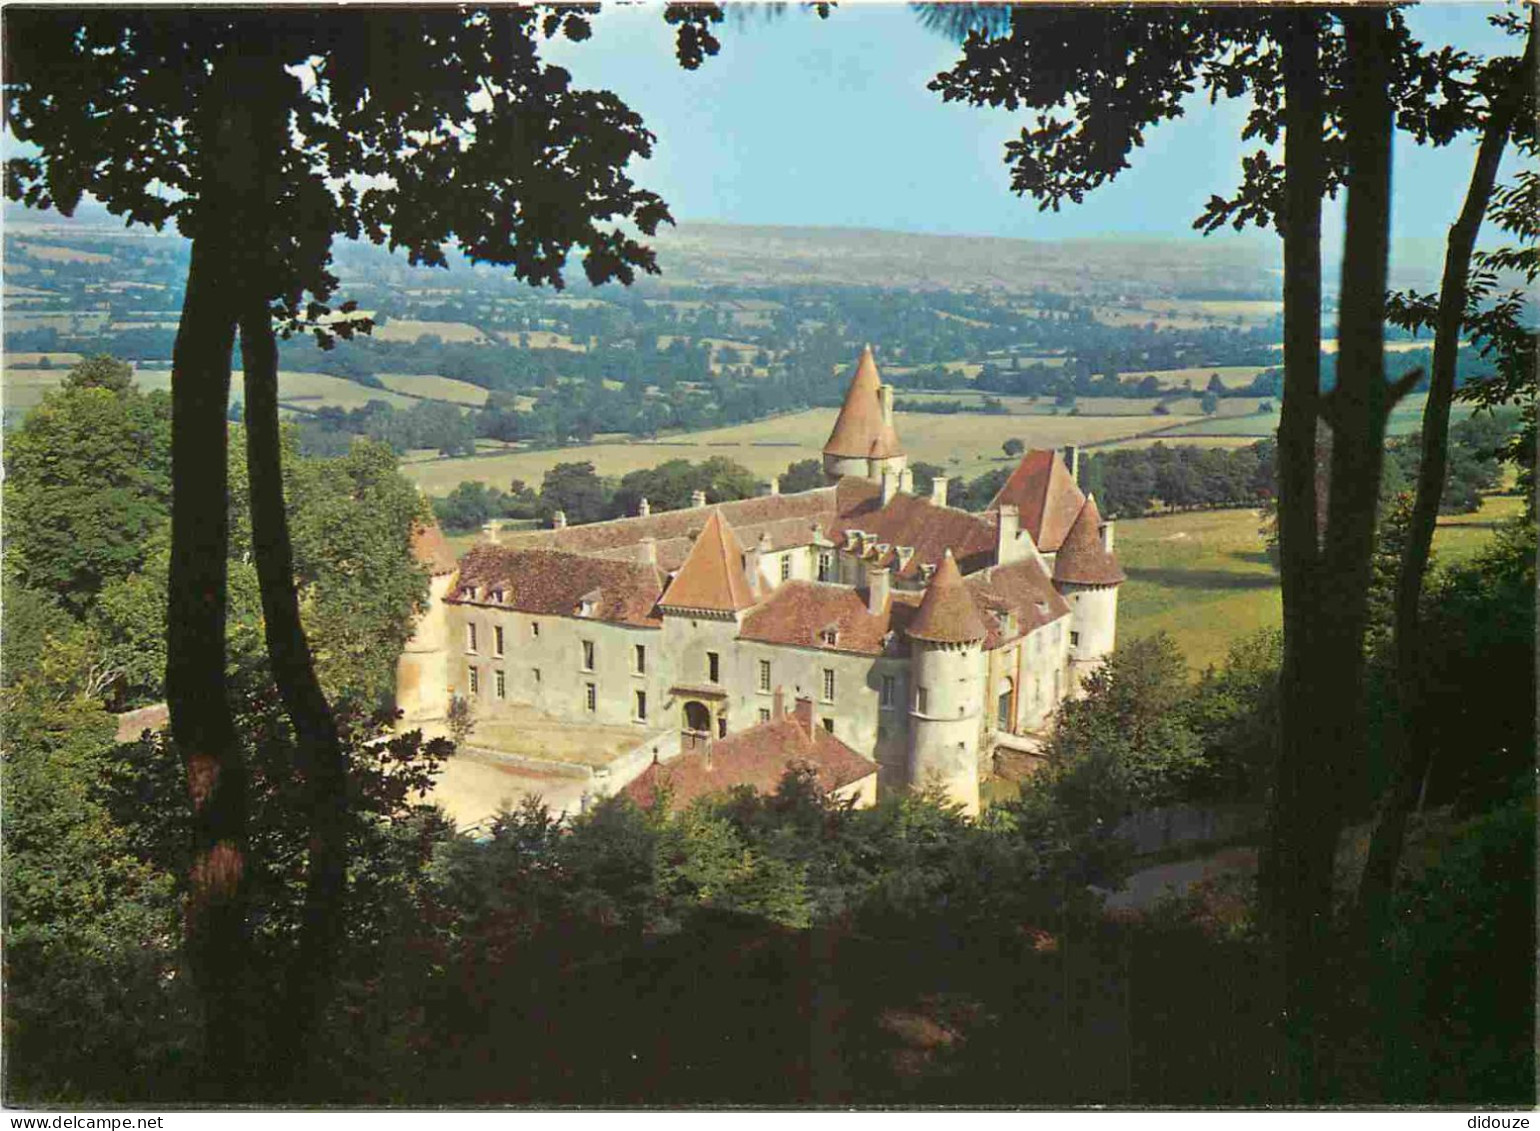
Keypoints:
pixel 920 636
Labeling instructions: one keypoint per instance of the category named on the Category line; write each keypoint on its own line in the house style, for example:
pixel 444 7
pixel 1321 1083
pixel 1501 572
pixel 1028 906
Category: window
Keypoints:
pixel 641 704
pixel 922 700
pixel 825 566
pixel 828 685
pixel 1003 711
pixel 534 629
pixel 722 726
pixel 1074 639
pixel 713 667
pixel 537 675
pixel 885 692
pixel 591 697
pixel 500 684
pixel 764 714
pixel 641 663
pixel 497 639
pixel 764 675
pixel 828 724
pixel 588 655
pixel 829 636
pixel 786 568
pixel 475 680
pixel 470 637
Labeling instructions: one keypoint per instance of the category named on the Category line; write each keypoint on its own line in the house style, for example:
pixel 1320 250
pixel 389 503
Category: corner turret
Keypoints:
pixel 946 711
pixel 864 441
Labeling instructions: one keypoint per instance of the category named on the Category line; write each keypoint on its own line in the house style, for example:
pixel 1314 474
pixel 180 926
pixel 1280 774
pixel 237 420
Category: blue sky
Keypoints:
pixel 805 121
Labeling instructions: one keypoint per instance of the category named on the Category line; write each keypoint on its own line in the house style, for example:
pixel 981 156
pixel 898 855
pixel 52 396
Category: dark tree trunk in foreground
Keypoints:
pixel 1289 883
pixel 201 722
pixel 322 765
pixel 1414 750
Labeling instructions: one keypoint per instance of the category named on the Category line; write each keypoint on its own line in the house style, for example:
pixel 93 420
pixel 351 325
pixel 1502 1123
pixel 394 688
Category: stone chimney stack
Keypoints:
pixel 877 590
pixel 1072 461
pixel 559 520
pixel 906 481
pixel 885 399
pixel 889 485
pixel 775 485
pixel 1107 536
pixel 649 551
pixel 938 490
pixel 778 703
pixel 644 508
pixel 1010 544
pixel 492 530
pixel 804 715
pixel 697 499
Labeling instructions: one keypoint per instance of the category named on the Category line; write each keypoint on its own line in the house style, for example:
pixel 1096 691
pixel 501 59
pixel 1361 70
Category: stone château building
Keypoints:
pixel 921 637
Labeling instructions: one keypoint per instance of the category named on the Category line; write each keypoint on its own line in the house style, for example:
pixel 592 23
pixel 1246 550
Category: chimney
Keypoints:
pixel 1009 543
pixel 804 715
pixel 885 399
pixel 1107 536
pixel 705 752
pixel 775 485
pixel 559 520
pixel 697 499
pixel 649 551
pixel 938 490
pixel 906 481
pixel 751 565
pixel 889 485
pixel 492 529
pixel 778 703
pixel 1072 460
pixel 877 590
pixel 644 508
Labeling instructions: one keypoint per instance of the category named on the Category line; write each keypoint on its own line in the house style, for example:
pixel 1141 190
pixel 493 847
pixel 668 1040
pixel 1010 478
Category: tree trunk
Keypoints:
pixel 322 764
pixel 1415 751
pixel 1286 876
pixel 202 725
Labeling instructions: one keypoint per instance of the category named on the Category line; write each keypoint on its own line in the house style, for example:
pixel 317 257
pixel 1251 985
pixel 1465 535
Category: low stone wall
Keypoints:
pixel 622 771
pixel 1156 830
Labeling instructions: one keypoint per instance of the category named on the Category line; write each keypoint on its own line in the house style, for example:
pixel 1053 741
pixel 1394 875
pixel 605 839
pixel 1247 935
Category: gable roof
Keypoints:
pixel 713 576
pixel 557 584
pixel 915 521
pixel 1082 559
pixel 757 757
pixel 431 550
pixel 1022 589
pixel 1043 490
pixel 860 429
pixel 948 614
pixel 799 612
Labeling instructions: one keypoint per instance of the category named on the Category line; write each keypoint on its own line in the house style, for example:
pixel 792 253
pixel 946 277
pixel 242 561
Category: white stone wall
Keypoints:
pixel 1093 620
pixel 422 671
pixel 944 731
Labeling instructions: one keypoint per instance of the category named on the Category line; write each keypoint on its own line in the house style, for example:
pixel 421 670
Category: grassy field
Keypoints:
pixel 24 387
pixel 1231 376
pixel 966 444
pixel 408 330
pixel 1406 418
pixel 434 387
pixel 1204 578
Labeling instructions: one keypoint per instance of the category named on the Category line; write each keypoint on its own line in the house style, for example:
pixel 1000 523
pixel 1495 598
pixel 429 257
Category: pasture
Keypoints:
pixel 409 330
pixel 434 387
pixel 22 387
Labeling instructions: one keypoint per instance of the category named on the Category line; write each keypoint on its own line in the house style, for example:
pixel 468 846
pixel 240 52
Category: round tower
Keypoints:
pixel 863 441
pixel 422 672
pixel 1088 575
pixel 947 702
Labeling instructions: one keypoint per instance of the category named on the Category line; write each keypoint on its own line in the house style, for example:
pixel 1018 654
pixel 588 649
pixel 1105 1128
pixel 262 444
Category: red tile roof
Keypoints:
pixel 917 522
pixel 860 429
pixel 713 576
pixel 948 613
pixel 1082 559
pixel 1023 589
pixel 757 757
pixel 430 549
pixel 556 584
pixel 1046 494
pixel 799 612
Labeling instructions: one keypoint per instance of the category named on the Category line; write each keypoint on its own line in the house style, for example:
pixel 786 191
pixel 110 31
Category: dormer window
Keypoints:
pixel 829 636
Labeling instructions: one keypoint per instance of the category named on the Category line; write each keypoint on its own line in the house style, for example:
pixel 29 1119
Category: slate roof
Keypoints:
pixel 712 577
pixel 948 613
pixel 757 757
pixel 1082 559
pixel 1046 494
pixel 860 429
pixel 557 584
pixel 799 612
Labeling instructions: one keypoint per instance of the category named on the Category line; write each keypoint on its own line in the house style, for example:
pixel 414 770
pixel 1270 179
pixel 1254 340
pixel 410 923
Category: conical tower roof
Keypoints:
pixel 947 614
pixel 1082 559
pixel 860 429
pixel 1045 493
pixel 712 576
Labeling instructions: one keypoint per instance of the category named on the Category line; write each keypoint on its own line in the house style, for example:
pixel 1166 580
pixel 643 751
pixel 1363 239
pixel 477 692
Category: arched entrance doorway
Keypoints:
pixel 696 729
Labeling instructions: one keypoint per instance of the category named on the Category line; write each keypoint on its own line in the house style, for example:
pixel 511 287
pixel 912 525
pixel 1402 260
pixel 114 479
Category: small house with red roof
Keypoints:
pixel 922 638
